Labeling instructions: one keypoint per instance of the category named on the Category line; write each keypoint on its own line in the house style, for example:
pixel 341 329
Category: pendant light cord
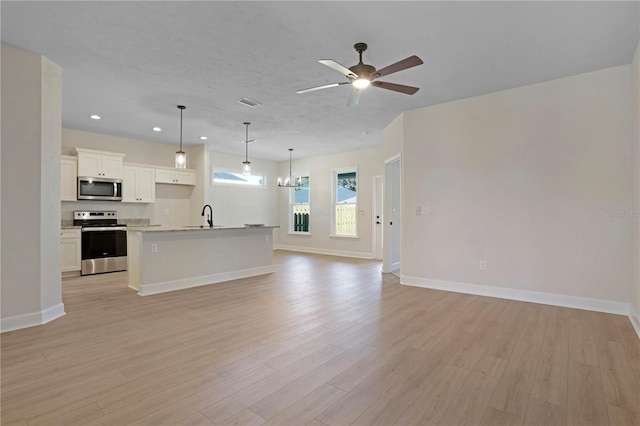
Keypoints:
pixel 181 108
pixel 246 142
pixel 290 176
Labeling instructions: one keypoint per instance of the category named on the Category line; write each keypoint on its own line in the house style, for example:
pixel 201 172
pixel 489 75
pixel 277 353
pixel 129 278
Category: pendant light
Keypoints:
pixel 246 164
pixel 290 182
pixel 181 157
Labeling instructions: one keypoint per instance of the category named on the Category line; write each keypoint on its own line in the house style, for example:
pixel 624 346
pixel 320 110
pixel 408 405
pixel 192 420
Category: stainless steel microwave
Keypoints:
pixel 90 188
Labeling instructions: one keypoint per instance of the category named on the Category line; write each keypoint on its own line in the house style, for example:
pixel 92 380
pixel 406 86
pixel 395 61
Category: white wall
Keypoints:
pixel 234 205
pixel 173 206
pixel 31 128
pixel 369 163
pixel 393 136
pixel 635 113
pixel 198 158
pixel 523 179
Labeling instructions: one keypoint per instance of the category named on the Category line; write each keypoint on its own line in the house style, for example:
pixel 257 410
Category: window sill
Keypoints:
pixel 298 233
pixel 353 237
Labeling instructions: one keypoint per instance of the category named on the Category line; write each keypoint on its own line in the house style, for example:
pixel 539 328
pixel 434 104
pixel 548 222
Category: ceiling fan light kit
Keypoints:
pixel 362 75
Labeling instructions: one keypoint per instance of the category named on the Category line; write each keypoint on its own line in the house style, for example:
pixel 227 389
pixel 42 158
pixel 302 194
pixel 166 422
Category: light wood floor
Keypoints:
pixel 323 340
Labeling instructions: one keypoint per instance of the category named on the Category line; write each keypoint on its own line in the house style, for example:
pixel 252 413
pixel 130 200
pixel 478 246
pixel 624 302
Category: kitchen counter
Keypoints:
pixel 192 228
pixel 70 227
pixel 163 259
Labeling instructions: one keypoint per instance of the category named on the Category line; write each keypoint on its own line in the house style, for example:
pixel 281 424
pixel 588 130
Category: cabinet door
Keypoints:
pixel 165 176
pixel 129 184
pixel 186 178
pixel 146 185
pixel 111 166
pixel 71 250
pixel 68 179
pixel 89 164
pixel 70 255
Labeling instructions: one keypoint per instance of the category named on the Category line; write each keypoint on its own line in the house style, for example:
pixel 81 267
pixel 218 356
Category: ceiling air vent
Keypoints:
pixel 248 102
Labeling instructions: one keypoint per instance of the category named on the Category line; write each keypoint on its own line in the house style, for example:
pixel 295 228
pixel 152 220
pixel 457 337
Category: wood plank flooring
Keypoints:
pixel 322 341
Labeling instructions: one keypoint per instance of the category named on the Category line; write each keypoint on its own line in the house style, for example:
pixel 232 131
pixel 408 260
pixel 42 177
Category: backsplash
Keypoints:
pixel 125 210
pixel 135 222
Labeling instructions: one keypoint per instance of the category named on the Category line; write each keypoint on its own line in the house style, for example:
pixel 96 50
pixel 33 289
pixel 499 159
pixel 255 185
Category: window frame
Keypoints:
pixel 292 204
pixel 334 201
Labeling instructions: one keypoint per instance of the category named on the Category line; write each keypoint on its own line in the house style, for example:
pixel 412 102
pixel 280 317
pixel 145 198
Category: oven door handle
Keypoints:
pixel 104 228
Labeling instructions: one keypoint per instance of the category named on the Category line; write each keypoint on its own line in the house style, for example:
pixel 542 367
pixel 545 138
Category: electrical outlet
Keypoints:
pixel 166 211
pixel 483 265
pixel 418 211
pixel 426 210
pixel 154 248
pixel 266 238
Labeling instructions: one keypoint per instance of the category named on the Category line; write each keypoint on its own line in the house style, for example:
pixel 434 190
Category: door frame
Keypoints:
pixel 388 230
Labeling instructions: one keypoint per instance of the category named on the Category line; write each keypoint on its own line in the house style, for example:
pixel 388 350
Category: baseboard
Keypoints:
pixel 634 317
pixel 340 253
pixel 597 305
pixel 181 284
pixel 32 319
pixel 70 274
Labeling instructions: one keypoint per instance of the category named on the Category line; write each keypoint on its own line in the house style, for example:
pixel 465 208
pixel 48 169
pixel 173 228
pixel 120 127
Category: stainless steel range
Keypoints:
pixel 104 242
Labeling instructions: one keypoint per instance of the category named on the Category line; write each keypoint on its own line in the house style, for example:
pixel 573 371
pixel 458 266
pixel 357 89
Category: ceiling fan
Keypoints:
pixel 361 75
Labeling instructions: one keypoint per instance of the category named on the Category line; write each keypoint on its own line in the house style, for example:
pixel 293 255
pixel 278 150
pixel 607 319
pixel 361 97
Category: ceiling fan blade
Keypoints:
pixel 354 98
pixel 409 62
pixel 326 86
pixel 409 90
pixel 336 66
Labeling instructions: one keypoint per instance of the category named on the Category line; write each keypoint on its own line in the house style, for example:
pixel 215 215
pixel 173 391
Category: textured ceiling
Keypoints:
pixel 133 62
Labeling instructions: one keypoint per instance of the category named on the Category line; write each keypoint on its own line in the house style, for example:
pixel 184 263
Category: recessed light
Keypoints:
pixel 203 138
pixel 157 129
pixel 95 117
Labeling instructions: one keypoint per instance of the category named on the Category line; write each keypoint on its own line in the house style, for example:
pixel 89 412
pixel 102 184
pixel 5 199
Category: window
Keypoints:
pixel 345 196
pixel 300 207
pixel 222 177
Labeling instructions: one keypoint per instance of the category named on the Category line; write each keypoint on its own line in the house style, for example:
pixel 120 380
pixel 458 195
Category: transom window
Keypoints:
pixel 236 178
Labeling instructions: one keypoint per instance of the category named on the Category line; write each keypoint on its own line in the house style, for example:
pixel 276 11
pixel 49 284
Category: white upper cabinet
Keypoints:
pixel 94 163
pixel 175 176
pixel 68 178
pixel 138 184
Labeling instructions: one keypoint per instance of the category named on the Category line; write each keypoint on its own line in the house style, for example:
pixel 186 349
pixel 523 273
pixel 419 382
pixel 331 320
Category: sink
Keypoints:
pixel 202 226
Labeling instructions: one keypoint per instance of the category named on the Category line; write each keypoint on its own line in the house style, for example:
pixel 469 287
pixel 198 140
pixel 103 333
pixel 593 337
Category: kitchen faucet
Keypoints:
pixel 209 216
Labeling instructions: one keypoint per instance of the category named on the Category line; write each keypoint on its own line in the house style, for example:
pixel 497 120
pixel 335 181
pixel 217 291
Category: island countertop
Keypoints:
pixel 197 228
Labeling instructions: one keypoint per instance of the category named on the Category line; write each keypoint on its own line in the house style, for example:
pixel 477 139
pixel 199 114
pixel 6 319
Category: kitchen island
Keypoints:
pixel 167 259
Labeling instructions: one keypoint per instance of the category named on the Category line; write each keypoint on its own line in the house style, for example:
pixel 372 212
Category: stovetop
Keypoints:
pixel 88 218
